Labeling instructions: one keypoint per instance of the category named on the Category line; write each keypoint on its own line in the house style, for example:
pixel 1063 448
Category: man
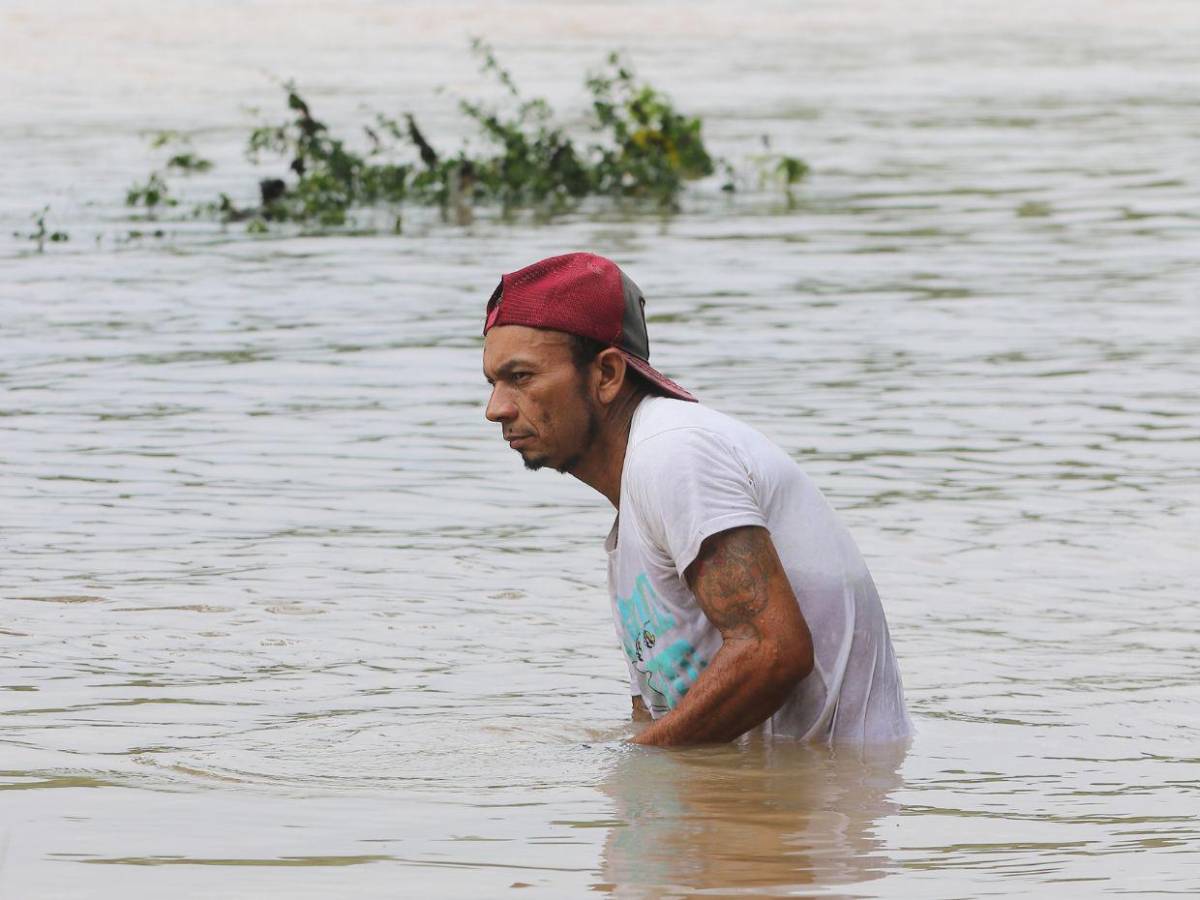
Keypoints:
pixel 739 598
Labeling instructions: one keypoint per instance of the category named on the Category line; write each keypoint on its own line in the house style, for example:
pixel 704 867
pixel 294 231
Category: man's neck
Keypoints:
pixel 604 462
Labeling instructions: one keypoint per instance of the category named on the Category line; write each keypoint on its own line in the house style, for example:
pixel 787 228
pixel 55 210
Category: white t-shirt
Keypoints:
pixel 691 472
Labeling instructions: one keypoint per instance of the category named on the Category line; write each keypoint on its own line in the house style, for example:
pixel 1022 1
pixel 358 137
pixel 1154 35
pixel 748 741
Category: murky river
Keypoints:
pixel 282 616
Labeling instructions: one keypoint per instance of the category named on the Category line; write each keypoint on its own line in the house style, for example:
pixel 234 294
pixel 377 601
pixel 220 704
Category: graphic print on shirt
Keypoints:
pixel 668 671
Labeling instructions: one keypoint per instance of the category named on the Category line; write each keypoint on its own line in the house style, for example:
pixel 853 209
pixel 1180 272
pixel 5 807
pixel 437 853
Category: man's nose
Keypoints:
pixel 500 408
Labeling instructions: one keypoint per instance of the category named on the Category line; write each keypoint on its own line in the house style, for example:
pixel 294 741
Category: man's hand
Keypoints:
pixel 743 590
pixel 640 713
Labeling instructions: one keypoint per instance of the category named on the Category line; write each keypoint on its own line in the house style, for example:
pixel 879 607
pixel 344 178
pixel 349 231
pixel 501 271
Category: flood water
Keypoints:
pixel 283 617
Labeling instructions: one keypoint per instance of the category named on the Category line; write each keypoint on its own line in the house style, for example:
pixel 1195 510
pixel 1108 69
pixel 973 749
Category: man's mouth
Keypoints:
pixel 515 440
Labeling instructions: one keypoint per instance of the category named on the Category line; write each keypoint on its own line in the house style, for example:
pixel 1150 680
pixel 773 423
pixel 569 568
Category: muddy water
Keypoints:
pixel 282 617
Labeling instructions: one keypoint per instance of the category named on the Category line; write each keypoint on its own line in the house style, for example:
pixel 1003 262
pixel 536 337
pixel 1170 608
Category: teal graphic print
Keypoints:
pixel 668 670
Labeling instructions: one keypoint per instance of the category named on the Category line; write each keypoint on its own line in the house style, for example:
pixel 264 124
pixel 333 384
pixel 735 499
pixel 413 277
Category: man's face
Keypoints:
pixel 538 396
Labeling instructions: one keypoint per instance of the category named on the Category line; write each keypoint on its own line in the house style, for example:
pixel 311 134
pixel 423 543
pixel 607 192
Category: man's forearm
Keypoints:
pixel 746 682
pixel 742 589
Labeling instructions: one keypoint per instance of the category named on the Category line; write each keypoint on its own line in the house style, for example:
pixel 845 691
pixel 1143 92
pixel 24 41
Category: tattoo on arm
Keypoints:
pixel 730 577
pixel 741 585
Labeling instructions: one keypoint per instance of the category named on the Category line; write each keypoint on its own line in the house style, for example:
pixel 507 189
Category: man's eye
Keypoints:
pixel 521 377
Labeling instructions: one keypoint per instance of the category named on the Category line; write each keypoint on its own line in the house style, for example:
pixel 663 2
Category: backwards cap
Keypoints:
pixel 585 295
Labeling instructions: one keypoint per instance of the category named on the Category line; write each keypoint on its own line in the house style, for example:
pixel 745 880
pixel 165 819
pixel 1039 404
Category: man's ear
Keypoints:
pixel 610 374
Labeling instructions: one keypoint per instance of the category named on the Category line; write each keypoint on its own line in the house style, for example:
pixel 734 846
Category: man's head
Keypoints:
pixel 565 351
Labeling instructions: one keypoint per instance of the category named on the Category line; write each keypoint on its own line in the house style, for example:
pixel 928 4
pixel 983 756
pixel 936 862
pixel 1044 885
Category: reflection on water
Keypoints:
pixel 280 616
pixel 762 818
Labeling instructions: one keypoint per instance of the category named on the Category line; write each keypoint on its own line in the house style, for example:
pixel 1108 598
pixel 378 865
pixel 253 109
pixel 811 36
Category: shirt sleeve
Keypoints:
pixel 685 485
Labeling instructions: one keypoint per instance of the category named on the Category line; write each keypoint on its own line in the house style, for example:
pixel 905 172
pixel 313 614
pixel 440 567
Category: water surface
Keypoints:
pixel 283 617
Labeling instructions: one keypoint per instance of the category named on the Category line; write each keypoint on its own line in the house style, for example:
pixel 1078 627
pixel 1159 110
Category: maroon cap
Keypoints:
pixel 586 295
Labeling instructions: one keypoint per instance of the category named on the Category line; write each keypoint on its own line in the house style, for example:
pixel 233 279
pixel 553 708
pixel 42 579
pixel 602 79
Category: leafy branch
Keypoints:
pixel 641 148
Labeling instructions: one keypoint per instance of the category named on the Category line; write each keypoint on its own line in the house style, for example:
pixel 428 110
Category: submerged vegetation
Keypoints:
pixel 41 235
pixel 641 148
pixel 154 193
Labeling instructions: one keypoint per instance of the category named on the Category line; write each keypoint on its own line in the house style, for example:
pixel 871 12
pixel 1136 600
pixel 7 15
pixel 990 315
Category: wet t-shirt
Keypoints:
pixel 691 472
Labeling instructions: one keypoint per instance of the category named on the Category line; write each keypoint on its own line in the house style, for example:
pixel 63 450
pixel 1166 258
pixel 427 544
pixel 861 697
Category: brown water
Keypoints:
pixel 282 617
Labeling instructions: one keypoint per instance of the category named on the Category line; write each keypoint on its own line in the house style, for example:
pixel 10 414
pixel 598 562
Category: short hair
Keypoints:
pixel 585 349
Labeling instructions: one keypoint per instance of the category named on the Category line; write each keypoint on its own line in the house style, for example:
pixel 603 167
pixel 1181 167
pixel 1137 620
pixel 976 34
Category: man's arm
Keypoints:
pixel 743 590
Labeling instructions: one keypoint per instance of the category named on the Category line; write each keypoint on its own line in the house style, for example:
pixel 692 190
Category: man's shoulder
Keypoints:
pixel 663 419
pixel 669 438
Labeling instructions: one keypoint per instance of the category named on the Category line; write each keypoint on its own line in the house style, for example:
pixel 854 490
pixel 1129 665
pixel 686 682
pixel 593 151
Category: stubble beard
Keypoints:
pixel 590 432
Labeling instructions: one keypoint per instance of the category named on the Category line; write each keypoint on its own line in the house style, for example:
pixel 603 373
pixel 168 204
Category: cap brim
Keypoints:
pixel 656 378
